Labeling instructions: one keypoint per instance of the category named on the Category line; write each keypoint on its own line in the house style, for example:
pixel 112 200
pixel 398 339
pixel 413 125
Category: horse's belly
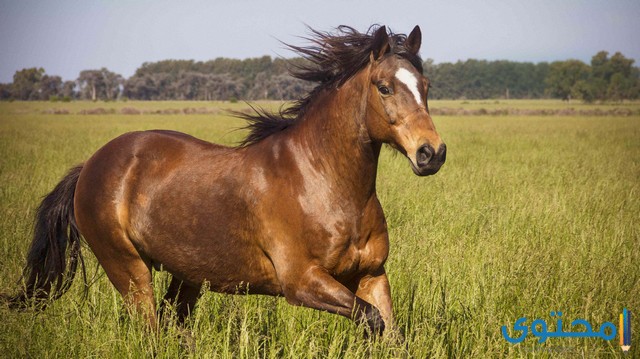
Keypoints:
pixel 214 255
pixel 238 270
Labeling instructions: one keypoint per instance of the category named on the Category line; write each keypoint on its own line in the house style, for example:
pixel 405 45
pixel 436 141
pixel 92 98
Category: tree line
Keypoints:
pixel 606 78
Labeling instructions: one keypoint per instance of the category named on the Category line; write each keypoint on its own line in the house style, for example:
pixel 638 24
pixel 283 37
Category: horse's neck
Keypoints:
pixel 337 141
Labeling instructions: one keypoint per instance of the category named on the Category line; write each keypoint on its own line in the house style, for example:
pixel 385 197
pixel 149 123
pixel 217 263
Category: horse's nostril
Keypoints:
pixel 424 155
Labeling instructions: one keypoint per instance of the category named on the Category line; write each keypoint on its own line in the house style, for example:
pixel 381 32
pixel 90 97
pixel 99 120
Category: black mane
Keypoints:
pixel 331 59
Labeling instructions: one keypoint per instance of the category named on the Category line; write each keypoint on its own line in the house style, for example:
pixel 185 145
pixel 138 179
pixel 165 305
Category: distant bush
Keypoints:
pixel 56 111
pixel 130 111
pixel 98 111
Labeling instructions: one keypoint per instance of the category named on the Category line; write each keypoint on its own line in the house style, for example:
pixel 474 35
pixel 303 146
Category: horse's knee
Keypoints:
pixel 325 293
pixel 297 295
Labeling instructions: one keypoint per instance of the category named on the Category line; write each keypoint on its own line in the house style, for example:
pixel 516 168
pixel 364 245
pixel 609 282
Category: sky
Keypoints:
pixel 68 36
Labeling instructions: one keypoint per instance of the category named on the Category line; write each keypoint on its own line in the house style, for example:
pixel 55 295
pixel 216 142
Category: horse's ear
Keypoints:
pixel 414 40
pixel 380 43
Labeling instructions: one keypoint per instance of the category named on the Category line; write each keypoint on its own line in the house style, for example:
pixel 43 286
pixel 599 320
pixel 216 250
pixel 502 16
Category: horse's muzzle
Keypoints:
pixel 428 160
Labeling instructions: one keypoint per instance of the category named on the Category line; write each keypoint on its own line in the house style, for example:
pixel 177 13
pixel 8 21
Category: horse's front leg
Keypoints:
pixel 319 290
pixel 374 288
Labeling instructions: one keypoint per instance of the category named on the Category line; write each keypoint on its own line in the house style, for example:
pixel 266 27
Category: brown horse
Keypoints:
pixel 290 212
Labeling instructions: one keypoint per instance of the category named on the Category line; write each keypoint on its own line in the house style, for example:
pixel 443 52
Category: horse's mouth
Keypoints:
pixel 428 170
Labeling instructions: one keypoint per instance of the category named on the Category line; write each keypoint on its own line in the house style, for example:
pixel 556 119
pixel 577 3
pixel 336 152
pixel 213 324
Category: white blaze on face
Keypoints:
pixel 408 79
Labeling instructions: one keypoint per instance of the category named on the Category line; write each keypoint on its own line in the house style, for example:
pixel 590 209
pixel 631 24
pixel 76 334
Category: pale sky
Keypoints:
pixel 68 36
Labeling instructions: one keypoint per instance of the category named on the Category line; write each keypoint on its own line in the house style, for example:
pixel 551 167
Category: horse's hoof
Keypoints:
pixel 374 321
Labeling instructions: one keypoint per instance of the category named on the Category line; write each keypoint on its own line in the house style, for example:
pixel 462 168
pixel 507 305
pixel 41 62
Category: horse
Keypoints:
pixel 290 211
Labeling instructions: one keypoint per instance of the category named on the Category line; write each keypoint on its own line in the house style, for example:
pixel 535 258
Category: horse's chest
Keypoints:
pixel 343 263
pixel 350 259
pixel 350 244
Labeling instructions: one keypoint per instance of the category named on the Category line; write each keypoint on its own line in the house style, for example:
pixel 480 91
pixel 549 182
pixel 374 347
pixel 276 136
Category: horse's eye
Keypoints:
pixel 384 90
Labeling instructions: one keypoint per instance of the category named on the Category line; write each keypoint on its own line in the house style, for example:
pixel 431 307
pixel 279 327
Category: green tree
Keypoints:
pixel 99 84
pixel 486 79
pixel 69 90
pixel 613 78
pixel 26 83
pixel 5 91
pixel 564 76
pixel 49 86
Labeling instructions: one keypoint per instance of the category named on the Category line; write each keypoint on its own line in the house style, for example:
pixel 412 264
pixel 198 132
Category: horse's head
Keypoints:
pixel 397 111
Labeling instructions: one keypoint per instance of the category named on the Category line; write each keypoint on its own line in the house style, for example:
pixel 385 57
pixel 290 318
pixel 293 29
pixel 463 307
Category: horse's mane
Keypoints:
pixel 331 59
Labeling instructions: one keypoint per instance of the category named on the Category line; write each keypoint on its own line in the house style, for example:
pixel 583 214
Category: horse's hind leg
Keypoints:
pixel 126 269
pixel 183 296
pixel 137 289
pixel 103 214
pixel 132 278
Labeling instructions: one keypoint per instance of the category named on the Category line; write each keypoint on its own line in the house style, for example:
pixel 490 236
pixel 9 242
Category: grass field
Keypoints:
pixel 530 214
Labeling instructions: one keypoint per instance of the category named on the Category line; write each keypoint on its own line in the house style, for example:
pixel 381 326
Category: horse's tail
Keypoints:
pixel 51 266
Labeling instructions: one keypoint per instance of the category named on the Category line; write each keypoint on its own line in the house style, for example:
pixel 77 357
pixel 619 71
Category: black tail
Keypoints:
pixel 50 265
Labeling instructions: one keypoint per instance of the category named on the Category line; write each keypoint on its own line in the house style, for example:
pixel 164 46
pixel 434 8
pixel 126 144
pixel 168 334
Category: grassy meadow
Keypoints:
pixel 530 214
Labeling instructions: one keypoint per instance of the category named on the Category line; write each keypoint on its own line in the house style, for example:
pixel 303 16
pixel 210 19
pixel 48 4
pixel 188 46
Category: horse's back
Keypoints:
pixel 127 163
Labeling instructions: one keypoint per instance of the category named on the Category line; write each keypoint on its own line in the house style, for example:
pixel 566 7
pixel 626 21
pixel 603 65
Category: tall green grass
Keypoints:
pixel 529 215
